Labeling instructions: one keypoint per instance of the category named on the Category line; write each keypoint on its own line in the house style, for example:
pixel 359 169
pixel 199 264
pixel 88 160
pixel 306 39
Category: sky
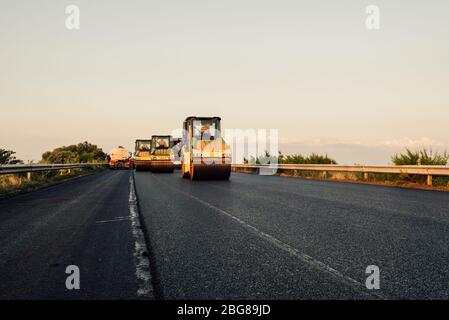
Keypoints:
pixel 310 69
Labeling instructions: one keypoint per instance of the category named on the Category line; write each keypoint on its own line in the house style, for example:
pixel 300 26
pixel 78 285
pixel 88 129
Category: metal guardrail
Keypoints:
pixel 27 168
pixel 428 171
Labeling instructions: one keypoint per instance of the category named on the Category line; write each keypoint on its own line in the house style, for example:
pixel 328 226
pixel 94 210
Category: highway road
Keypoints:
pixel 253 237
pixel 84 222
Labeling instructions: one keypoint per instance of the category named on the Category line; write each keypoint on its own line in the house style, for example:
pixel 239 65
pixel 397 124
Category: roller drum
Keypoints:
pixel 162 167
pixel 142 165
pixel 201 171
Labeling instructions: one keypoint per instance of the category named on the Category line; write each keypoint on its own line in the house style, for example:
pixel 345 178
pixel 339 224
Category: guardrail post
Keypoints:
pixel 429 180
pixel 29 175
pixel 365 175
pixel 324 174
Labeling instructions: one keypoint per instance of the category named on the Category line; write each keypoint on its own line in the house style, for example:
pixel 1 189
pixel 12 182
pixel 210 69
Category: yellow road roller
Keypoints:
pixel 204 153
pixel 161 154
pixel 142 156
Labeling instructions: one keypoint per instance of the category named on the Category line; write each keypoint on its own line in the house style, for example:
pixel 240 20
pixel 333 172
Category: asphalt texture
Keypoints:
pixel 270 237
pixel 72 223
pixel 253 237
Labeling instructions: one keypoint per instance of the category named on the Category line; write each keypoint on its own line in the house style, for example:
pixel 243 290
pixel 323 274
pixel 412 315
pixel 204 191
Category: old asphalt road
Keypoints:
pixel 85 222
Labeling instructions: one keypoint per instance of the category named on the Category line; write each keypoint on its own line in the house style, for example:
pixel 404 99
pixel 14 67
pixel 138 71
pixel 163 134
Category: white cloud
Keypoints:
pixel 414 143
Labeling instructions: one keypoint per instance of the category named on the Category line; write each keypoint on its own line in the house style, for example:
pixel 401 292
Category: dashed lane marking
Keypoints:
pixel 114 219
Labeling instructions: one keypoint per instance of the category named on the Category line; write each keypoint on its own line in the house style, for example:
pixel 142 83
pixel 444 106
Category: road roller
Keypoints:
pixel 204 153
pixel 161 154
pixel 142 156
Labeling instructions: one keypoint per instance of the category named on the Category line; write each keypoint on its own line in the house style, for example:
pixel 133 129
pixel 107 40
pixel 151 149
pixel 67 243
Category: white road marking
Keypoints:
pixel 293 251
pixel 141 261
pixel 115 219
pixel 316 264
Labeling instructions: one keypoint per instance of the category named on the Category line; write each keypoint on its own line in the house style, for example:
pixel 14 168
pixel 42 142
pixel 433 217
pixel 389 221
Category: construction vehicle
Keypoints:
pixel 176 151
pixel 119 158
pixel 161 154
pixel 142 157
pixel 204 153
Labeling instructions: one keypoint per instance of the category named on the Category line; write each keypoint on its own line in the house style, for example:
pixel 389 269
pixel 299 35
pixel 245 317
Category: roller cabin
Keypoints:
pixel 161 154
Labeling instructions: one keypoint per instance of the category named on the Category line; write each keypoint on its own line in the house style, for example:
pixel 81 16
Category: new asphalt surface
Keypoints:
pixel 253 237
pixel 273 237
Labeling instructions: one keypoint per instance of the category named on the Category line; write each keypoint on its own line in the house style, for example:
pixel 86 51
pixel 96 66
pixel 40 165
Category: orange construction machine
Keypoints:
pixel 204 153
pixel 161 154
pixel 119 158
pixel 142 156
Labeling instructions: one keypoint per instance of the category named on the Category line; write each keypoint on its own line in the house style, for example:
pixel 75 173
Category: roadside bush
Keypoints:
pixel 441 181
pixel 300 159
pixel 420 157
pixel 291 159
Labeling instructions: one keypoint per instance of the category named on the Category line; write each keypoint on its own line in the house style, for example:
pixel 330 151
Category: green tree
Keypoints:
pixel 7 157
pixel 84 152
pixel 60 156
pixel 420 157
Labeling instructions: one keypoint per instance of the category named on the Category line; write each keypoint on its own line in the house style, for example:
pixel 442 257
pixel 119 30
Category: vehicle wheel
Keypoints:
pixel 185 174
